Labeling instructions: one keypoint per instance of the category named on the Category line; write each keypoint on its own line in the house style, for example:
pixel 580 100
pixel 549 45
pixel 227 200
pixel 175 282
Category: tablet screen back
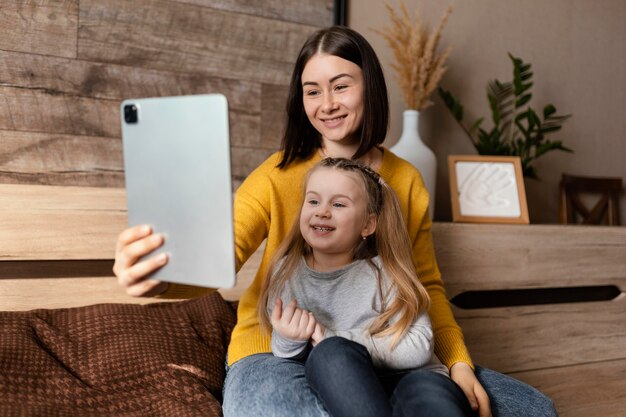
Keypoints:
pixel 178 180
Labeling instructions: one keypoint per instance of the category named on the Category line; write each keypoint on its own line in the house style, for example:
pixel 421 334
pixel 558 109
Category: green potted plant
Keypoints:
pixel 517 129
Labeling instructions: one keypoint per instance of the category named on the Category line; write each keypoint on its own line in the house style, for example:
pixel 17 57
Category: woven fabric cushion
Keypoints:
pixel 163 359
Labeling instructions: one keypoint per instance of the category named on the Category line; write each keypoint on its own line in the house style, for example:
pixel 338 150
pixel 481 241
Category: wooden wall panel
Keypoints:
pixel 59 76
pixel 39 27
pixel 65 66
pixel 273 117
pixel 189 38
pixel 40 111
pixel 311 12
pixel 48 158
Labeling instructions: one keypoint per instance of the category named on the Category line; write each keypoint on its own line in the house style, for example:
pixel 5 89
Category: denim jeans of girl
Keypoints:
pixel 264 385
pixel 341 372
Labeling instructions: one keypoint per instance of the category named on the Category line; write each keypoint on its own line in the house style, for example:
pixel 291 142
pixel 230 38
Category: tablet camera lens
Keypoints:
pixel 130 113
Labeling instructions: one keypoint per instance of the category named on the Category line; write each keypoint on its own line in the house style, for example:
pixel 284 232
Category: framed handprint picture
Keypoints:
pixel 487 189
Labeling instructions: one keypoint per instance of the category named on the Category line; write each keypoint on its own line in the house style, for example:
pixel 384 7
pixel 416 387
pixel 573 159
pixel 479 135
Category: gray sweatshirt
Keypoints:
pixel 345 302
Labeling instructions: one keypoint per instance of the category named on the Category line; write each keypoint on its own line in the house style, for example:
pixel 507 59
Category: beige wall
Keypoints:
pixel 577 49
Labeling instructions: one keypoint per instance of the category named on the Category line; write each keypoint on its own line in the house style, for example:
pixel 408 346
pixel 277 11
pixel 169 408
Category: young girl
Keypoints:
pixel 337 106
pixel 346 277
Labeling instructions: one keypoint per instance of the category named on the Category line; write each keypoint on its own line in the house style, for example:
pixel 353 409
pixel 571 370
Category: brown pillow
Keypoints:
pixel 163 359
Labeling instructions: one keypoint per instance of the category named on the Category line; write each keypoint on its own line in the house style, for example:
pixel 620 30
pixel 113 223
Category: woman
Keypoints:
pixel 337 106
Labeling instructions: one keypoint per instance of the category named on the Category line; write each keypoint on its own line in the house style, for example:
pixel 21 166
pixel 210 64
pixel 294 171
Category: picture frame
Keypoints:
pixel 487 189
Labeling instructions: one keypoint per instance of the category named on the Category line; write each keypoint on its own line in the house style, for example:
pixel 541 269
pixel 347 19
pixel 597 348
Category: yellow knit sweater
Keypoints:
pixel 266 205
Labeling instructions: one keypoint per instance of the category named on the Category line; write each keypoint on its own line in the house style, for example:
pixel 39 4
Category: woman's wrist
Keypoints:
pixel 459 367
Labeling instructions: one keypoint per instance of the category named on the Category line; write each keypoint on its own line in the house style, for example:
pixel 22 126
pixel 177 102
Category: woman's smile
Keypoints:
pixel 332 90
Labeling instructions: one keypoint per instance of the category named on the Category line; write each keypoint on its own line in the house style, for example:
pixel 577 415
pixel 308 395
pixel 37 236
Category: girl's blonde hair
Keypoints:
pixel 390 242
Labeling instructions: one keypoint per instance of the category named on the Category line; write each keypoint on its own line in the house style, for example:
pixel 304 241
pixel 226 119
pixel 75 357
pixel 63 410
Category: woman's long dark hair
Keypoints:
pixel 301 139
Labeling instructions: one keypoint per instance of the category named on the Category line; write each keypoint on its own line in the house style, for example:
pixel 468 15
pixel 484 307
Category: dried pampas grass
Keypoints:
pixel 419 68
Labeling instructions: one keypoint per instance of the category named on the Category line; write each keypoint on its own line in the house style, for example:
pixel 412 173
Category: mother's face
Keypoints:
pixel 332 90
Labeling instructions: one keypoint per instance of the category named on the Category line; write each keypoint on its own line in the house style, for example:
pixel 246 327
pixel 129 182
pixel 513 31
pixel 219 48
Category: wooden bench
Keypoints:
pixel 57 246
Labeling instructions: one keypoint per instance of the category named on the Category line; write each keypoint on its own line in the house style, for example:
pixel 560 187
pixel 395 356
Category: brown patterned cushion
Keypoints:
pixel 163 359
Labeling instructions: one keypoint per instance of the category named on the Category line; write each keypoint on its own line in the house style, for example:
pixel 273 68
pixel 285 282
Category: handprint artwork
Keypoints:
pixel 487 189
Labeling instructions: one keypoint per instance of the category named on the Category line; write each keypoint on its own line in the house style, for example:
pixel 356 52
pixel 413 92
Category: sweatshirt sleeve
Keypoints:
pixel 414 350
pixel 284 347
pixel 287 348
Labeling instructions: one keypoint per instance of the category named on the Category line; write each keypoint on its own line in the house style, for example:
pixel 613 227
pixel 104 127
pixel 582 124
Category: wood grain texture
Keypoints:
pixel 72 77
pixel 245 160
pixel 515 339
pixel 594 389
pixel 65 66
pixel 523 338
pixel 60 159
pixel 39 27
pixel 529 256
pixel 312 12
pixel 39 111
pixel 51 222
pixel 188 38
pixel 19 294
pixel 273 115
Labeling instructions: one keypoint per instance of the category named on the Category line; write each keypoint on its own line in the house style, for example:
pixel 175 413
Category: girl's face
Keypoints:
pixel 333 98
pixel 334 215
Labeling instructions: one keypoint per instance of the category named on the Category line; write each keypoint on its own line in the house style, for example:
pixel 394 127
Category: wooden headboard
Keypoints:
pixel 57 246
pixel 544 303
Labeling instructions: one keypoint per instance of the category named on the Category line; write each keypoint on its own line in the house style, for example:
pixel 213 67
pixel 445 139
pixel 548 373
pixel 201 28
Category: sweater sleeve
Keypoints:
pixel 414 350
pixel 449 342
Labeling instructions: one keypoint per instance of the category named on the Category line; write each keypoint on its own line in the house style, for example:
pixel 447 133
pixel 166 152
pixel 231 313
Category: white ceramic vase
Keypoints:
pixel 411 148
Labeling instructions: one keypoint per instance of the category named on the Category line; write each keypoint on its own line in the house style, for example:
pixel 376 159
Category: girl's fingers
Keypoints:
pixel 304 319
pixel 295 318
pixel 312 323
pixel 277 312
pixel 289 311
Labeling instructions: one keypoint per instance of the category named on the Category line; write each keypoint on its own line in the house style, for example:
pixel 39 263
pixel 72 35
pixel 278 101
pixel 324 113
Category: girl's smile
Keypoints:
pixel 334 217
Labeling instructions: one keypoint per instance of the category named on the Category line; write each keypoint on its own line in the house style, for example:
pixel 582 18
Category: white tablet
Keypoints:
pixel 178 180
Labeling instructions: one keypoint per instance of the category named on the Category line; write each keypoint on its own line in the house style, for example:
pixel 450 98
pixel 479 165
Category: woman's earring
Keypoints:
pixel 364 237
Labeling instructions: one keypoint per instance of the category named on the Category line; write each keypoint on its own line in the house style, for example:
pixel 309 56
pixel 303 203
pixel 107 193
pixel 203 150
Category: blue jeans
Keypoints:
pixel 512 398
pixel 342 374
pixel 264 385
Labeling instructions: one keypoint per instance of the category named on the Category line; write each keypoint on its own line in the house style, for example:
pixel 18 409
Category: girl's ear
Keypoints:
pixel 370 226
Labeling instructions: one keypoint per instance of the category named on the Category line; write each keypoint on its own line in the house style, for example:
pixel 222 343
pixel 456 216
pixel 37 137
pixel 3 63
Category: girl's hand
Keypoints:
pixel 292 323
pixel 318 334
pixel 132 244
pixel 463 375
